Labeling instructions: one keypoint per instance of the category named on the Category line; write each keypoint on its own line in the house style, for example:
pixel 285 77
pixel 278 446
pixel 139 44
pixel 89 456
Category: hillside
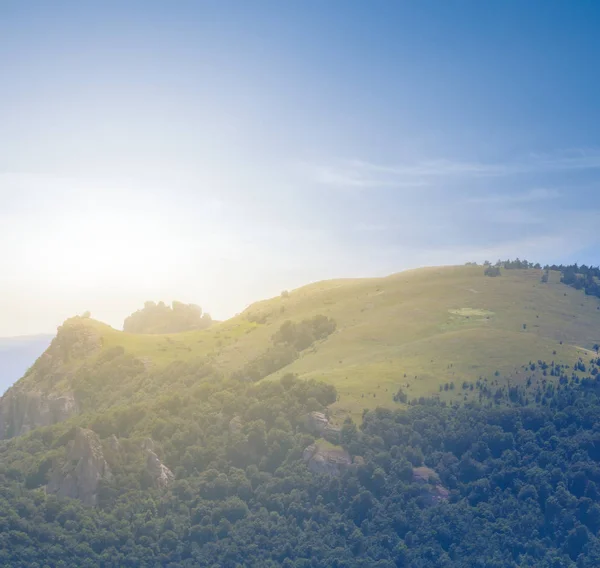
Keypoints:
pixel 203 448
pixel 414 330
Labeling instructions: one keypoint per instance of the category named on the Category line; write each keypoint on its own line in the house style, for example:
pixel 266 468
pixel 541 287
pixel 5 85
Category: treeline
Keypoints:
pixel 160 318
pixel 287 343
pixel 580 277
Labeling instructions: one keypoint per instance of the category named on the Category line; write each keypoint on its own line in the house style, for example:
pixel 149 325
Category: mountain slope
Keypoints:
pixel 415 330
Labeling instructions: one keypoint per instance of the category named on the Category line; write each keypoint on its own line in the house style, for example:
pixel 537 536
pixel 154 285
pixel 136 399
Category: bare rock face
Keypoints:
pixel 433 490
pixel 148 444
pixel 85 468
pixel 22 411
pixel 33 401
pixel 160 474
pixel 316 422
pixel 328 461
pixel 332 433
pixel 114 444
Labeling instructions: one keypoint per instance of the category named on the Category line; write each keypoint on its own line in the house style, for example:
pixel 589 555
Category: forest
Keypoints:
pixel 510 480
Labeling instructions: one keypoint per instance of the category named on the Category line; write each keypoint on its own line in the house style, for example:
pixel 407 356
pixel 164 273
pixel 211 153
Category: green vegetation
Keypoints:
pixel 349 423
pixel 414 330
pixel 420 480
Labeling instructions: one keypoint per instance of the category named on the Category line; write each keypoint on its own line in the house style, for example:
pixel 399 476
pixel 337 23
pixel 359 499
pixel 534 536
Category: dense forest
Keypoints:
pixel 512 480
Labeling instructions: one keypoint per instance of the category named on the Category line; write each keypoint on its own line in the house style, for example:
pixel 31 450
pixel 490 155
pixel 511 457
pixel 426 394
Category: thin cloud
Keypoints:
pixel 531 196
pixel 363 174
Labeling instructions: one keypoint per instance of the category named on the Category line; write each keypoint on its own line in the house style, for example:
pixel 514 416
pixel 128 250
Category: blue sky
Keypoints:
pixel 217 152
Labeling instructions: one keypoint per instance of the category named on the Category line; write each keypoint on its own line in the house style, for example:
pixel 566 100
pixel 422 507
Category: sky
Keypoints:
pixel 218 152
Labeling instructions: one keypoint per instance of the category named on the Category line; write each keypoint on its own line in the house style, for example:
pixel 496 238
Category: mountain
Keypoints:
pixel 354 422
pixel 17 354
pixel 416 330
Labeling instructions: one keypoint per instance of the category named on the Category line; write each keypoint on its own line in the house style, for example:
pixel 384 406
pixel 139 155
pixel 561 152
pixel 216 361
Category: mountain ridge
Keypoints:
pixel 415 330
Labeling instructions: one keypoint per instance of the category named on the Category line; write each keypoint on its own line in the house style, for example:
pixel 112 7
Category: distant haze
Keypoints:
pixel 17 354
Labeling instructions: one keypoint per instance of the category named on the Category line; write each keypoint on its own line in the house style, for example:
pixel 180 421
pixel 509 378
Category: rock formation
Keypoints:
pixel 34 401
pixel 316 422
pixel 84 469
pixel 159 473
pixel 21 411
pixel 328 461
pixel 433 490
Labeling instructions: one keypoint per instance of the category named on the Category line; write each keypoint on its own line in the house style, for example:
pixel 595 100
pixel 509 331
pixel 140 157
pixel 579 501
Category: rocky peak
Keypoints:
pixel 160 474
pixel 85 467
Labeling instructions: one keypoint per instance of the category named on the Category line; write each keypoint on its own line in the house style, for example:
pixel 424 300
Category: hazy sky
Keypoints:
pixel 218 152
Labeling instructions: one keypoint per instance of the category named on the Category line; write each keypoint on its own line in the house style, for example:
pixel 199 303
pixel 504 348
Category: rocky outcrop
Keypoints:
pixel 328 461
pixel 316 422
pixel 433 490
pixel 158 472
pixel 35 400
pixel 332 434
pixel 22 411
pixel 85 467
pixel 114 444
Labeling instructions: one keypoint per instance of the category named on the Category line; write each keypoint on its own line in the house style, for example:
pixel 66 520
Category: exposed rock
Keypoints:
pixel 425 475
pixel 316 422
pixel 148 444
pixel 83 471
pixel 114 444
pixel 160 474
pixel 332 434
pixel 235 425
pixel 329 461
pixel 433 490
pixel 22 411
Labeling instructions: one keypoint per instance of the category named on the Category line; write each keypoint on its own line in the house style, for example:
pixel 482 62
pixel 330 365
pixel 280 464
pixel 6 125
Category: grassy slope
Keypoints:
pixel 435 325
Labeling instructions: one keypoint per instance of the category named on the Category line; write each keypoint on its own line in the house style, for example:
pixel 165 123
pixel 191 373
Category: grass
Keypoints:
pixel 416 330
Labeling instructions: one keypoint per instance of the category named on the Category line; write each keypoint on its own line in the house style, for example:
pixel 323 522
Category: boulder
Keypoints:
pixel 433 490
pixel 332 434
pixel 85 467
pixel 159 473
pixel 316 422
pixel 328 461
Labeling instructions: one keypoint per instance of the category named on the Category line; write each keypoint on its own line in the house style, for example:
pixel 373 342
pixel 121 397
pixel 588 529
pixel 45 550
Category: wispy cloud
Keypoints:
pixel 364 174
pixel 531 196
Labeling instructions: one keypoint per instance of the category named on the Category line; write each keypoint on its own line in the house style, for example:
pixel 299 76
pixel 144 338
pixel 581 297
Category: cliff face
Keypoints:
pixel 21 411
pixel 36 400
pixel 159 473
pixel 84 469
